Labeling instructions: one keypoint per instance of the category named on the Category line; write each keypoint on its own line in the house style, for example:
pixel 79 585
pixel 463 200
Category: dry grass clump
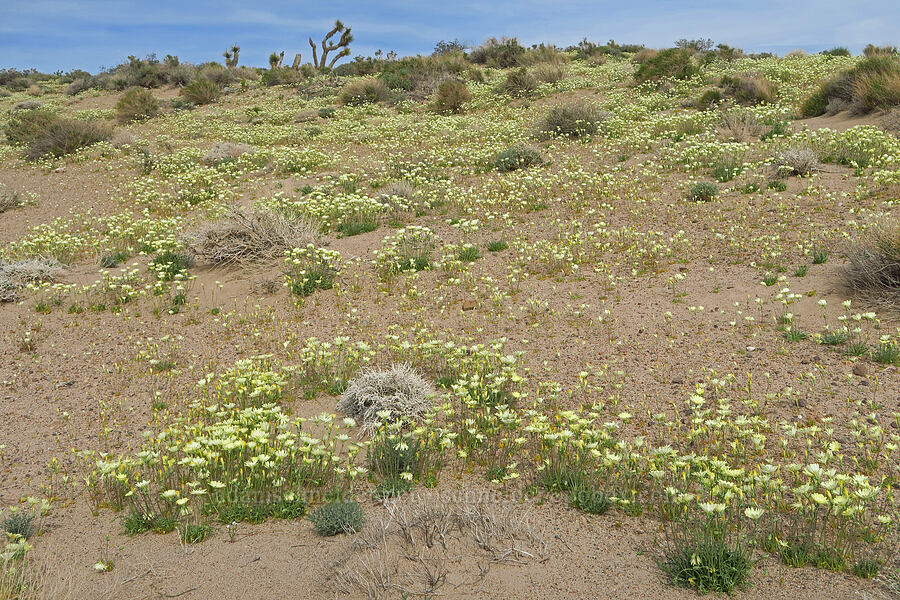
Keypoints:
pixel 874 269
pixel 364 91
pixel 549 72
pixel 15 275
pixel 9 199
pixel 749 89
pixel 398 189
pixel 21 579
pixel 121 138
pixel 574 119
pixel 412 550
pixel 28 105
pixel 874 83
pixel 890 121
pixel 223 152
pixel 796 161
pixel 136 104
pixel 399 390
pixel 740 126
pixel 245 238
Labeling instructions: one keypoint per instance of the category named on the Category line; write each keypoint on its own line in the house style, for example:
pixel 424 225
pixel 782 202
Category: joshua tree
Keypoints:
pixel 343 43
pixel 296 65
pixel 231 56
pixel 275 60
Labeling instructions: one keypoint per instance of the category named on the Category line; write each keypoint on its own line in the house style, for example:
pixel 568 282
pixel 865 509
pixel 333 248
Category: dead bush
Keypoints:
pixel 223 152
pixel 399 390
pixel 749 89
pixel 15 275
pixel 410 551
pixel 796 161
pixel 548 72
pixel 244 238
pixel 740 126
pixel 9 199
pixel 874 269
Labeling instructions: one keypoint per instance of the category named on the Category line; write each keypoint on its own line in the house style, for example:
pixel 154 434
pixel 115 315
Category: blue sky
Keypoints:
pixel 55 35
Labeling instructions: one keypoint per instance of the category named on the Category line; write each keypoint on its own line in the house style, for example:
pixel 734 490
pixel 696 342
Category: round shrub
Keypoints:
pixel 399 390
pixel 674 63
pixel 364 91
pixel 65 136
pixel 451 96
pixel 19 524
pixel 341 516
pixel 519 83
pixel 796 161
pixel 136 104
pixel 548 73
pixel 502 53
pixel 518 157
pixel 750 89
pixel 201 91
pixel 574 119
pixel 704 191
pixel 709 98
pixel 25 125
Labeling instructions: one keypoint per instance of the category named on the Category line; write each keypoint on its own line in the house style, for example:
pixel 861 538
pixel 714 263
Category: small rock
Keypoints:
pixel 859 369
pixel 468 305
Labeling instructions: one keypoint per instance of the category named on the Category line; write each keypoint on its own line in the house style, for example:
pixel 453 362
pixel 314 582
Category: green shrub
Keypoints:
pixel 815 104
pixel 709 99
pixel 26 125
pixel 364 91
pixel 19 523
pixel 451 96
pixel 282 76
pixel 590 500
pixel 340 516
pixel 704 191
pixel 519 82
pixel 518 157
pixel 874 83
pixel 136 104
pixel 502 53
pixel 709 566
pixel 417 74
pixel 201 91
pixel 169 263
pixel 674 63
pixel 195 533
pixel 575 119
pixel 837 51
pixel 65 136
